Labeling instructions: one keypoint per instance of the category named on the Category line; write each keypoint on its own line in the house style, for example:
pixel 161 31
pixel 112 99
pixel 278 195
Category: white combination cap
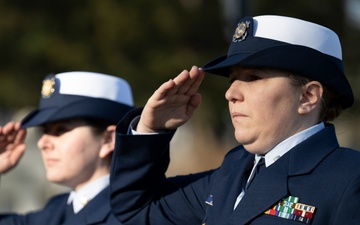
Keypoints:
pixel 80 94
pixel 294 45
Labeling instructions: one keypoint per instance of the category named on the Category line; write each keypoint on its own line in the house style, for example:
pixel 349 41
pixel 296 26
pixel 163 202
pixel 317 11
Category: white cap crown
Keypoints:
pixel 298 32
pixel 87 84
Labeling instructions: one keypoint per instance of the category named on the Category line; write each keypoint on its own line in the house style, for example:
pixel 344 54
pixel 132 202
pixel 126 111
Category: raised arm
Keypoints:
pixel 173 103
pixel 140 191
pixel 12 145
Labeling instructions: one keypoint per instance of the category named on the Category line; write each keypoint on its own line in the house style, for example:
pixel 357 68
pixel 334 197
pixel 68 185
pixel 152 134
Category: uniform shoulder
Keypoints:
pixel 57 199
pixel 347 158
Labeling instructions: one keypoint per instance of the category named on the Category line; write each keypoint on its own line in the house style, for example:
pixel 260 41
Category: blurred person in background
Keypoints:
pixel 287 83
pixel 12 146
pixel 78 113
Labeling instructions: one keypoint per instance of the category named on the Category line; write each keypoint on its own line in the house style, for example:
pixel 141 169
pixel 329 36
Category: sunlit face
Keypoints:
pixel 70 152
pixel 263 105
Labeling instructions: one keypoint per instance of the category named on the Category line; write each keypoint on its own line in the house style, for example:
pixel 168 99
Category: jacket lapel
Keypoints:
pixel 307 155
pixel 55 212
pixel 97 210
pixel 232 178
pixel 271 185
pixel 266 189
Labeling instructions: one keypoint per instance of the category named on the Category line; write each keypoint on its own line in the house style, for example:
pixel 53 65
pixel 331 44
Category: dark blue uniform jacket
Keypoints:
pixel 317 171
pixel 57 212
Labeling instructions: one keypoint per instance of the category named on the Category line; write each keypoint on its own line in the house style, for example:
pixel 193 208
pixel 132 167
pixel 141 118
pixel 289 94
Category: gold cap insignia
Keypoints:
pixel 241 31
pixel 48 88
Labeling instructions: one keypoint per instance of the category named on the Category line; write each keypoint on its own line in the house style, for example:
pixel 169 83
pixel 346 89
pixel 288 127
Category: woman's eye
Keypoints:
pixel 58 131
pixel 254 78
pixel 232 79
pixel 249 78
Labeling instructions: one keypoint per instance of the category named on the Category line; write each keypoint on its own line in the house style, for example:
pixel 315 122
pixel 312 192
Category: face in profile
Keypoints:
pixel 263 105
pixel 70 151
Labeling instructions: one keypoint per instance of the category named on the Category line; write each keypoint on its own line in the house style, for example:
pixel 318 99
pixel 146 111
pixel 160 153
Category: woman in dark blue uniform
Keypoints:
pixel 287 83
pixel 78 112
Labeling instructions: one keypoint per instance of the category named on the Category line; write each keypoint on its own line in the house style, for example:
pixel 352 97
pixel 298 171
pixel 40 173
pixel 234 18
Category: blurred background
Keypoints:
pixel 147 43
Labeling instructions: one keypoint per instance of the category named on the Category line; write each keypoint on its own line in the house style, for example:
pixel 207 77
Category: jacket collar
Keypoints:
pixel 271 184
pixel 98 209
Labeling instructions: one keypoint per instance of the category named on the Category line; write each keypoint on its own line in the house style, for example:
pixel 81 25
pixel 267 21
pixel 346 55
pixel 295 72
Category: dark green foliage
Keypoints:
pixel 145 42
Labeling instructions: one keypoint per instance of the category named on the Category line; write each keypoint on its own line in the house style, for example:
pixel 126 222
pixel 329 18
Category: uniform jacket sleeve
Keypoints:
pixel 140 192
pixel 51 214
pixel 96 212
pixel 317 171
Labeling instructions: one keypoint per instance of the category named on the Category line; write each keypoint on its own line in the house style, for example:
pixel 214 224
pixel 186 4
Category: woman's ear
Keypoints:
pixel 311 97
pixel 108 141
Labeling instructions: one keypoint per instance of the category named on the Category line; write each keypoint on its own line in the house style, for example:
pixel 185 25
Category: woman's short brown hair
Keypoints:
pixel 330 108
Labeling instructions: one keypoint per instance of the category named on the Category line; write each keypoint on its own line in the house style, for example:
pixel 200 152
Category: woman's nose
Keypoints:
pixel 234 93
pixel 44 142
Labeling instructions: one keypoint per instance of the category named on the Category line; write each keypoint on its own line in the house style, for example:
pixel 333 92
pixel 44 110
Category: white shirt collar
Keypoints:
pixel 81 197
pixel 285 146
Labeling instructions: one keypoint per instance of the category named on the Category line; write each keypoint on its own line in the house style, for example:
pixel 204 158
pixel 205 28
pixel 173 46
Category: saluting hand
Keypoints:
pixel 173 103
pixel 12 145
